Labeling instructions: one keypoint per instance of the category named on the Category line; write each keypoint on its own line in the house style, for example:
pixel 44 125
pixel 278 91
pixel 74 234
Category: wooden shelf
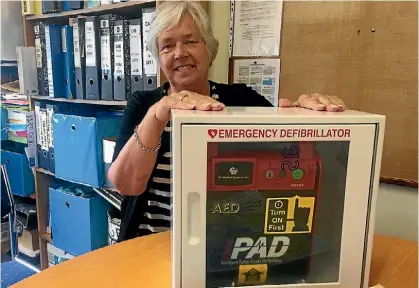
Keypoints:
pixel 40 170
pixel 82 101
pixel 46 236
pixel 44 171
pixel 117 8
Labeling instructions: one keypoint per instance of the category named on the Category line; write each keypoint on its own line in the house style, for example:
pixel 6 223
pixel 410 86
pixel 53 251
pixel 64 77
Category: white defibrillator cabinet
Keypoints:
pixel 274 197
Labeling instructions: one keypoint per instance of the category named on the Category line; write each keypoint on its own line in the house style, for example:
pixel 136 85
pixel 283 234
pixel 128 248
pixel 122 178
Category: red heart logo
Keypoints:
pixel 212 133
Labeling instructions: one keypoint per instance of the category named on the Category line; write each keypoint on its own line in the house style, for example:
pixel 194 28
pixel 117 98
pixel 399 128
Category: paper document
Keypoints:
pixel 260 74
pixel 257 28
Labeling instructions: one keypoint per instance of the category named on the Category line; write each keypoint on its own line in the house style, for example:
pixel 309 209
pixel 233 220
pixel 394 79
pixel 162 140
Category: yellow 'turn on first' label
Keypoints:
pixel 289 215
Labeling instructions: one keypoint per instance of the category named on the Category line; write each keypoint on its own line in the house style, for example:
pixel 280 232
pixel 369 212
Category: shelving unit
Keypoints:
pixel 122 8
pixel 44 178
pixel 81 101
pixel 40 170
pixel 46 236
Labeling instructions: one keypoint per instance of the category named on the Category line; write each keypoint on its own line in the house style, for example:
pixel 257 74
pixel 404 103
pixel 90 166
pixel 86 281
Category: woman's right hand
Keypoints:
pixel 185 100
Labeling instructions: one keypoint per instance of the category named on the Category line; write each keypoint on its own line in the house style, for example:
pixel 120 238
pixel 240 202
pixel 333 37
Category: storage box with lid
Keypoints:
pixel 274 197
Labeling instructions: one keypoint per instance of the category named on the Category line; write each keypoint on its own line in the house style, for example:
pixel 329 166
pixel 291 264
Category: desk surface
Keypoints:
pixel 146 260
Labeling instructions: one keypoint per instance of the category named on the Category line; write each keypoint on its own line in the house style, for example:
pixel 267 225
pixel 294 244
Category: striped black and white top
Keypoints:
pixel 151 211
pixel 157 214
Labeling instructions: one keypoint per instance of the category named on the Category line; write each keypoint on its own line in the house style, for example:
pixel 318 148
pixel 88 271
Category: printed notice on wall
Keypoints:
pixel 257 28
pixel 261 74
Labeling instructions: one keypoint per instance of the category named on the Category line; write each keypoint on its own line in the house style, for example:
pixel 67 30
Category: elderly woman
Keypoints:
pixel 182 42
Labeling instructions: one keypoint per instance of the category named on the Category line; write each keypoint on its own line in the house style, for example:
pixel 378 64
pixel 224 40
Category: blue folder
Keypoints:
pixel 41 135
pixel 55 63
pixel 68 58
pixel 51 109
pixel 69 5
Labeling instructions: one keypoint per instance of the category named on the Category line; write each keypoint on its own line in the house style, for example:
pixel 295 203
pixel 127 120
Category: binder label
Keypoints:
pixel 49 62
pixel 104 24
pixel 64 39
pixel 119 51
pixel 38 124
pixel 105 46
pixel 106 53
pixel 44 130
pixel 135 50
pixel 90 44
pixel 150 67
pixel 38 52
pixel 76 41
pixel 50 111
pixel 30 128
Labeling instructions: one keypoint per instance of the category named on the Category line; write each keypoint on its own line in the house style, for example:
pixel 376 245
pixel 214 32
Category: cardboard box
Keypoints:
pixel 271 196
pixel 29 240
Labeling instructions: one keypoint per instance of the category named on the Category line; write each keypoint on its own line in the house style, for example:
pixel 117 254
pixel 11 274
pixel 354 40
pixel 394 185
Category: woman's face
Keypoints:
pixel 183 54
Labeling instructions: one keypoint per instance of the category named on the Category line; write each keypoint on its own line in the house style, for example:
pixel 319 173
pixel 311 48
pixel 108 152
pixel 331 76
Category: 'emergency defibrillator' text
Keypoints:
pixel 280 133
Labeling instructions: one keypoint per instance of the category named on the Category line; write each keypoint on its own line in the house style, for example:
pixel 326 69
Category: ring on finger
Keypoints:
pixel 183 96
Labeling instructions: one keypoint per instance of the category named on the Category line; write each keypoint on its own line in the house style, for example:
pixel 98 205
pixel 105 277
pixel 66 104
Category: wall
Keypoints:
pixel 220 21
pixel 397 206
pixel 11 29
pixel 374 47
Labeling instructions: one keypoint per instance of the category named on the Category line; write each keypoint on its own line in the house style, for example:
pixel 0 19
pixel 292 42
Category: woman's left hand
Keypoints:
pixel 316 101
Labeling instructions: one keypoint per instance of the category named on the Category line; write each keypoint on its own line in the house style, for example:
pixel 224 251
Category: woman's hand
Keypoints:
pixel 185 100
pixel 316 101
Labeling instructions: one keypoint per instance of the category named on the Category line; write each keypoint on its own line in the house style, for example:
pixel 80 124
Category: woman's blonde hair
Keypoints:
pixel 169 14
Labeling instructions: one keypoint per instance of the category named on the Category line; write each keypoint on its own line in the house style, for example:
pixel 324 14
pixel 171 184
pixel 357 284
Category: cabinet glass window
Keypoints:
pixel 274 212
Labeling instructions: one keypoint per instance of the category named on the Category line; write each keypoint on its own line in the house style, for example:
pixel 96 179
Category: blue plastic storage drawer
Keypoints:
pixel 79 224
pixel 20 175
pixel 78 146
